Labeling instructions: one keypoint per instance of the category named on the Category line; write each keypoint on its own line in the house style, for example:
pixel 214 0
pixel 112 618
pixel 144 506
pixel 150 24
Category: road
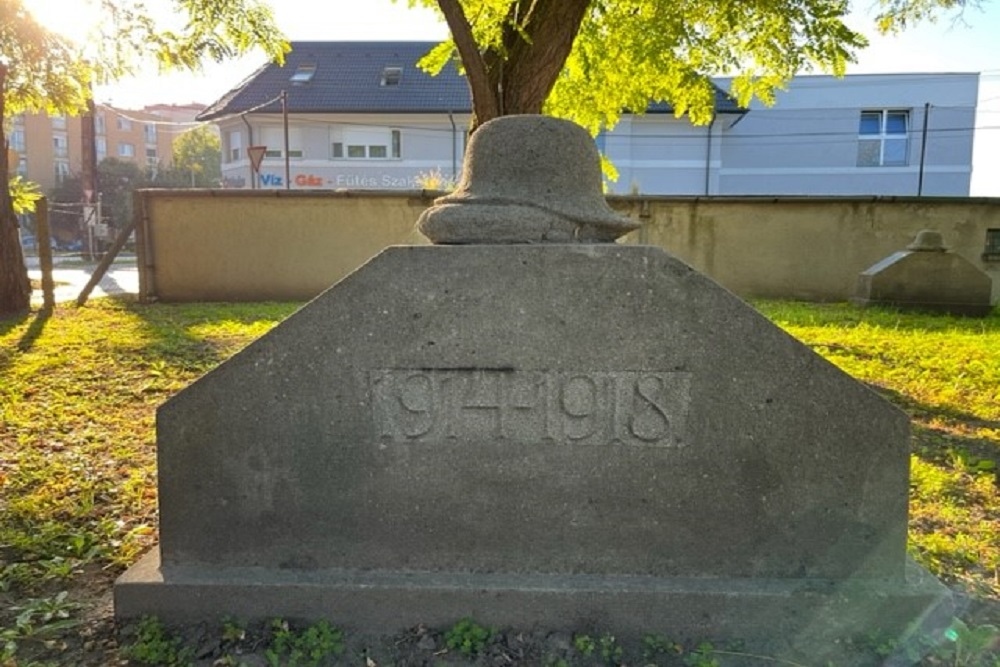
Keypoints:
pixel 71 275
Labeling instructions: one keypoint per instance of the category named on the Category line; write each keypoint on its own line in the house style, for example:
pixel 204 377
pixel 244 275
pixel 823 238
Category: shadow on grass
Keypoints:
pixel 940 444
pixel 34 330
pixel 38 319
pixel 169 328
pixel 925 410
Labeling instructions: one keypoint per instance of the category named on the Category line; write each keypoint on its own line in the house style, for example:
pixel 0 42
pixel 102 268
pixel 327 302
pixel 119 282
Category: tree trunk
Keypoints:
pixel 15 288
pixel 485 101
pixel 516 78
pixel 535 54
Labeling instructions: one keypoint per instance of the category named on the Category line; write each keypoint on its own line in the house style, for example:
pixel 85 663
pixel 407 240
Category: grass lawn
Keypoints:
pixel 79 388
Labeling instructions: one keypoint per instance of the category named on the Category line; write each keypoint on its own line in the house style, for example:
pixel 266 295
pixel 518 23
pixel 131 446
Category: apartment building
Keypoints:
pixel 50 147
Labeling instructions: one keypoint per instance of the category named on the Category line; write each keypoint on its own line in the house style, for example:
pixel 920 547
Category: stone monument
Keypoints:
pixel 926 277
pixel 533 426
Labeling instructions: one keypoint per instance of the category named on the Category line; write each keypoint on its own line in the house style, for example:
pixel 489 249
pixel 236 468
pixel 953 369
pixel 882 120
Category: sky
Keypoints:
pixel 966 43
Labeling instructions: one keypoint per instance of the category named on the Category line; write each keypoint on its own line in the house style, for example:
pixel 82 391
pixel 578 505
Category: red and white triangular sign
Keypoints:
pixel 256 155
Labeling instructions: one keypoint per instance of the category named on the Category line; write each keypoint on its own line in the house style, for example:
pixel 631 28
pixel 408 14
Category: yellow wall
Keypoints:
pixel 212 245
pixel 267 244
pixel 808 248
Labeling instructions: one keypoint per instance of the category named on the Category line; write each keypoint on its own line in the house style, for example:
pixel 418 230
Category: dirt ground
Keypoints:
pixel 97 641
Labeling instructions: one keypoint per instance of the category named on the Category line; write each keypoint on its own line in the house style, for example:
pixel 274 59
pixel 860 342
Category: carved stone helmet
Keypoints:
pixel 928 240
pixel 527 179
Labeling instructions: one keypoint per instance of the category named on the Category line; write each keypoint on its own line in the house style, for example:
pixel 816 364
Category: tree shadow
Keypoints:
pixel 35 329
pixel 941 444
pixel 170 329
pixel 943 412
pixel 39 319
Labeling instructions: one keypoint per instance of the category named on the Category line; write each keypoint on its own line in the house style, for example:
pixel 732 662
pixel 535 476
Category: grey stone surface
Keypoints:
pixel 527 179
pixel 802 617
pixel 530 433
pixel 926 277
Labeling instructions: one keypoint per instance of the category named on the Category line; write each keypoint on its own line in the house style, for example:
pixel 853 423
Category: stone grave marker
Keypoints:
pixel 926 277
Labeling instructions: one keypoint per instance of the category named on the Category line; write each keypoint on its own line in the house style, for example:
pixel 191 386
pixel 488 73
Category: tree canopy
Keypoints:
pixel 198 154
pixel 44 71
pixel 588 60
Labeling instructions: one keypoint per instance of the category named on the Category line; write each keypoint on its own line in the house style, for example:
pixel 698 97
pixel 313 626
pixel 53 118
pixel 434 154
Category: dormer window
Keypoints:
pixel 303 74
pixel 391 76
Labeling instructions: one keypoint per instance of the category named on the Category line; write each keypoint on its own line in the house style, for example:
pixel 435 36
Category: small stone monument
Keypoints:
pixel 926 277
pixel 527 182
pixel 531 425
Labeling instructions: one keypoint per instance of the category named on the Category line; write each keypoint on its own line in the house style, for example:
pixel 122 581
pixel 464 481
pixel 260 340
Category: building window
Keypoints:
pixel 991 253
pixel 58 122
pixel 235 145
pixel 151 157
pixel 370 143
pixel 126 150
pixel 124 123
pixel 17 140
pixel 883 138
pixel 601 141
pixel 100 126
pixel 391 76
pixel 60 145
pixel 274 139
pixel 62 170
pixel 397 144
pixel 303 74
pixel 277 152
pixel 150 131
pixel 101 143
pixel 22 167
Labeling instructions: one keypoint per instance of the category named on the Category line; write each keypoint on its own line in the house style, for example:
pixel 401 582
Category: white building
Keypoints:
pixel 363 115
pixel 866 134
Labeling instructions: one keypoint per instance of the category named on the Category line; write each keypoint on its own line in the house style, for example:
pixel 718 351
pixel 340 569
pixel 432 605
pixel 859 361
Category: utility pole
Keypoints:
pixel 88 168
pixel 284 119
pixel 923 150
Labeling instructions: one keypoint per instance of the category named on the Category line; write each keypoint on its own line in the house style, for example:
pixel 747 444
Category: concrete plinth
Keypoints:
pixel 800 617
pixel 533 434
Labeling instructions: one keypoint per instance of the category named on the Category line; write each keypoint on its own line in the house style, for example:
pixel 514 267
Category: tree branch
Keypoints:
pixel 485 100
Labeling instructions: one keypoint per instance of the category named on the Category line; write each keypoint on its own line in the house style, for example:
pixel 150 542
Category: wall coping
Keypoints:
pixel 430 195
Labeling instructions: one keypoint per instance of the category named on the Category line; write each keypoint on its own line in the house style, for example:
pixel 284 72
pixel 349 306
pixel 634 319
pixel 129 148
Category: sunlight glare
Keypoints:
pixel 73 19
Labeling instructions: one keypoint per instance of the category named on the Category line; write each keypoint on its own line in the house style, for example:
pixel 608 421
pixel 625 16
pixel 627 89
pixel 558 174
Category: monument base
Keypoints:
pixel 794 617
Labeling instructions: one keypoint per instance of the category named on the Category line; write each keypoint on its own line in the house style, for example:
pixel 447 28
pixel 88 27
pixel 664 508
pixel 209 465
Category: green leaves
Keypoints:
pixel 303 649
pixel 210 30
pixel 49 72
pixel 468 637
pixel 153 645
pixel 897 15
pixel 23 194
pixel 45 71
pixel 629 53
pixel 198 153
pixel 620 62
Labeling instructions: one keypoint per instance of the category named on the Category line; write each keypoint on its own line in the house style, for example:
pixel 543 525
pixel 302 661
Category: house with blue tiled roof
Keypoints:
pixel 363 115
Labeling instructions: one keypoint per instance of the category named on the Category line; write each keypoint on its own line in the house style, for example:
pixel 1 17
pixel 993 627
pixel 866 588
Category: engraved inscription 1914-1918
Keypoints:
pixel 643 408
